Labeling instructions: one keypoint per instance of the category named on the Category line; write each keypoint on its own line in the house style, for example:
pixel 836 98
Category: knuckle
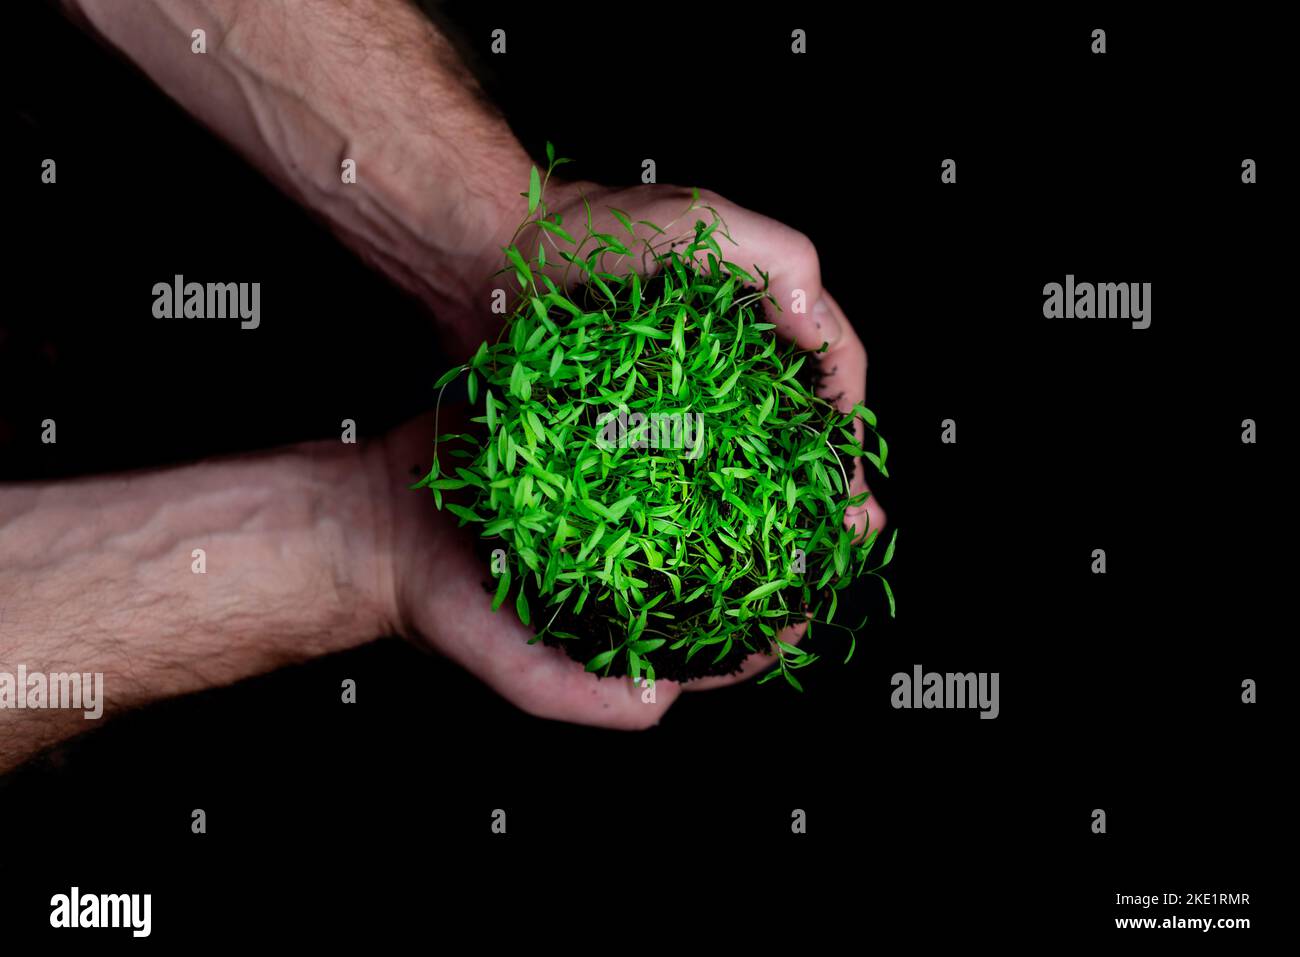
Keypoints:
pixel 802 246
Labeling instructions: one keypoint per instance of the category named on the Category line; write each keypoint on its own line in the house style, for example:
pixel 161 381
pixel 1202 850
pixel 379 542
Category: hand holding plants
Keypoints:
pixel 729 533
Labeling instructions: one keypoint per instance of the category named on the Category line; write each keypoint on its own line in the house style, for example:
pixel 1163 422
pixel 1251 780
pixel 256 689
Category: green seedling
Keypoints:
pixel 668 489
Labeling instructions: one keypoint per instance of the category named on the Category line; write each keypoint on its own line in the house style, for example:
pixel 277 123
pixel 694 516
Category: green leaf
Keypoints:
pixel 866 414
pixel 602 659
pixel 503 588
pixel 623 218
pixel 762 591
pixel 889 593
pixel 445 485
pixel 448 376
pixel 842 551
pixel 520 387
pixel 521 602
pixel 726 386
pixel 789 373
pixel 726 647
pixel 535 424
pixel 534 190
pixel 464 513
pixel 596 535
pixel 645 330
pixel 617 510
pixel 889 552
pixel 794 651
pixel 517 261
pixel 613 547
pixel 558 230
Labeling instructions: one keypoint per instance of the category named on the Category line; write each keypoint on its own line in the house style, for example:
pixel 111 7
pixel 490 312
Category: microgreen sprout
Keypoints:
pixel 669 490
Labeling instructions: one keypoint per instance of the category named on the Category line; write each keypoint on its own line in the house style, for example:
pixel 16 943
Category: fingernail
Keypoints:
pixel 827 323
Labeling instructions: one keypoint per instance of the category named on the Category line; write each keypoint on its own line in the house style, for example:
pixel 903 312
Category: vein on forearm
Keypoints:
pixel 97 575
pixel 297 88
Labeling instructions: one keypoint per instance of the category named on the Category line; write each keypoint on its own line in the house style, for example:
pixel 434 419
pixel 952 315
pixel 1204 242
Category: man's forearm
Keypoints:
pixel 300 86
pixel 101 576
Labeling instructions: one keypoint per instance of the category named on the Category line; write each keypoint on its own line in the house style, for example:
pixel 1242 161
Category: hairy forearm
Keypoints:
pixel 101 576
pixel 300 86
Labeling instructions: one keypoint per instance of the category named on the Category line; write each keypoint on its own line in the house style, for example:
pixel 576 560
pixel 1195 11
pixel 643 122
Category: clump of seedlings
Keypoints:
pixel 659 487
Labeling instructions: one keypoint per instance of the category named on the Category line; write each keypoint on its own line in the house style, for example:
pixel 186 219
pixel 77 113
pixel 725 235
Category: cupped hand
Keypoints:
pixel 439 578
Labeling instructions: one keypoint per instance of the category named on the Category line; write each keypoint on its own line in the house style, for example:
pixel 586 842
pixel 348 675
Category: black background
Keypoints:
pixel 1119 691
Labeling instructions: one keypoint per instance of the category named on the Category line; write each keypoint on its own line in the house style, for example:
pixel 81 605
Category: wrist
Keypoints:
pixel 352 533
pixel 461 210
pixel 471 319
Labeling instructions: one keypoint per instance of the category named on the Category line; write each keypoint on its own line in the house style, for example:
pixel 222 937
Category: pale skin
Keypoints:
pixel 320 547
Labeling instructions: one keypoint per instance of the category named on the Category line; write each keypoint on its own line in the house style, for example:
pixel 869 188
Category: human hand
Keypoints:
pixel 440 595
pixel 441 580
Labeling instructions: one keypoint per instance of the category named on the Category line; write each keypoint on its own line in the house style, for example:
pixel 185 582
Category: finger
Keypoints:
pixel 845 371
pixel 794 282
pixel 545 682
pixel 536 678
